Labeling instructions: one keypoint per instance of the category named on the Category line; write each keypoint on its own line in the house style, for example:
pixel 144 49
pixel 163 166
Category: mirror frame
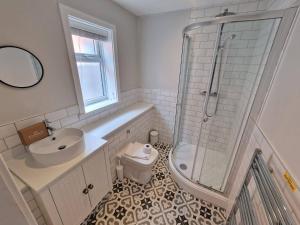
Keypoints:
pixel 12 46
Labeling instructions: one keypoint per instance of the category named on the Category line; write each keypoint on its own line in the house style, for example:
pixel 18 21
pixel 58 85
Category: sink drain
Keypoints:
pixel 61 147
pixel 183 166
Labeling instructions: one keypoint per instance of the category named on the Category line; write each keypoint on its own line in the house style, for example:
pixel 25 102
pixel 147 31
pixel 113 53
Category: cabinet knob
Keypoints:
pixel 85 191
pixel 90 186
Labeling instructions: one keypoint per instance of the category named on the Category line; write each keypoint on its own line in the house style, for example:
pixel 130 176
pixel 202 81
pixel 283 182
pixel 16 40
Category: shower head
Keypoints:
pixel 225 13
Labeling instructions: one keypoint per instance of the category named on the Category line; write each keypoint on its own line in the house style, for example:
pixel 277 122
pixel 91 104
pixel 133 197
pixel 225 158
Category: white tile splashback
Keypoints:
pixel 165 110
pixel 7 130
pixel 162 118
pixel 10 143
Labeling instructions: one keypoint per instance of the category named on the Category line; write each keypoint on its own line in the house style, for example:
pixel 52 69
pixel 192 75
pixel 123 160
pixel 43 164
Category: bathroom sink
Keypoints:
pixel 60 147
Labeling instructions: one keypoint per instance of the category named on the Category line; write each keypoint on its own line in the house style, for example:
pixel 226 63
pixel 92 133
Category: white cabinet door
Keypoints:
pixel 96 177
pixel 72 204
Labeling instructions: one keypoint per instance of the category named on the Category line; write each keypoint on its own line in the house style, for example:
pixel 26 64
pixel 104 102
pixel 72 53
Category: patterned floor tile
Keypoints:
pixel 160 202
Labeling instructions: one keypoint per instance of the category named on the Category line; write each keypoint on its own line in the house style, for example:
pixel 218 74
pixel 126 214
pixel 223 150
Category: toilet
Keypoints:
pixel 136 163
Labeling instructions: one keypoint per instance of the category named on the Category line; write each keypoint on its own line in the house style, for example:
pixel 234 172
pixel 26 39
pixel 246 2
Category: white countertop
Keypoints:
pixel 37 177
pixel 107 126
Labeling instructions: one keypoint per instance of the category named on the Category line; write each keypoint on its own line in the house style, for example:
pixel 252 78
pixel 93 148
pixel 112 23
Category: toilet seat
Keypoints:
pixel 136 149
pixel 137 169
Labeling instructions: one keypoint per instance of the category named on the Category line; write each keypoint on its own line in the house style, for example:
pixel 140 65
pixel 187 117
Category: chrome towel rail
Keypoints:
pixel 276 209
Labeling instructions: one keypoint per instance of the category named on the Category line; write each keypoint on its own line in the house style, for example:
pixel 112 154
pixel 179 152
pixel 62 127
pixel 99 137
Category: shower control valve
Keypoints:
pixel 205 119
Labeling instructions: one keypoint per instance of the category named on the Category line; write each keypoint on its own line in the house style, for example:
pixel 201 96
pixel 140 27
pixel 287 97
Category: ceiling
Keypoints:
pixel 145 7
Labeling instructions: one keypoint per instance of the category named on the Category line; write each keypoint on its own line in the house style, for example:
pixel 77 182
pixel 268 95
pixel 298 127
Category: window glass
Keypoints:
pixel 84 45
pixel 92 45
pixel 90 65
pixel 91 82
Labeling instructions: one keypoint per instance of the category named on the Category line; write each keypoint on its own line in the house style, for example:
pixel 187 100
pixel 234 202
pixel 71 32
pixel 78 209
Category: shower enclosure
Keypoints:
pixel 223 62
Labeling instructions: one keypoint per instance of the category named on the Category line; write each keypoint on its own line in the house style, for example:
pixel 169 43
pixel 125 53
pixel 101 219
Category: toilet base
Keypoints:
pixel 134 173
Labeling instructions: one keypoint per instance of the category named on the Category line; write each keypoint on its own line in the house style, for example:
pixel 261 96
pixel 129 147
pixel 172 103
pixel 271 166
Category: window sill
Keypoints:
pixel 99 106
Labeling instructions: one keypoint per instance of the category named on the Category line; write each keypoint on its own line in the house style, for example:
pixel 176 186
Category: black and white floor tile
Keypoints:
pixel 160 202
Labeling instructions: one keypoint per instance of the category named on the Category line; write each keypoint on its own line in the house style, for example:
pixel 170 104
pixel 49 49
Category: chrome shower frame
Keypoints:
pixel 287 17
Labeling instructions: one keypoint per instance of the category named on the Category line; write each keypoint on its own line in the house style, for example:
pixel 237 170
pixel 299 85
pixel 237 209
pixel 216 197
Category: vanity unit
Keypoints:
pixel 67 192
pixel 69 176
pixel 73 196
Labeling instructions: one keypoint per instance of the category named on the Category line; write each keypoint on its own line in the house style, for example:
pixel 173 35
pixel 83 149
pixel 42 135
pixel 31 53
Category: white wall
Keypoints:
pixel 14 209
pixel 9 213
pixel 160 40
pixel 35 25
pixel 280 121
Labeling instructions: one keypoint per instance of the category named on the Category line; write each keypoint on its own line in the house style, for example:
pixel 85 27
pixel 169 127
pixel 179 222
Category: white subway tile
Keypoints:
pixel 73 110
pixel 248 7
pixel 69 120
pixel 36 213
pixel 41 221
pixel 263 5
pixel 7 130
pixel 57 115
pixel 32 204
pixel 55 124
pixel 12 141
pixel 212 12
pixel 197 13
pixel 28 196
pixel 231 8
pixel 28 122
pixel 79 124
pixel 3 146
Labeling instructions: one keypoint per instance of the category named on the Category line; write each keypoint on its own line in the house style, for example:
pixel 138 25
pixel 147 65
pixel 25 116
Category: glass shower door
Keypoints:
pixel 240 58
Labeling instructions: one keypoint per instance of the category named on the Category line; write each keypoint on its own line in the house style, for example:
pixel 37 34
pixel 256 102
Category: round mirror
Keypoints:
pixel 19 67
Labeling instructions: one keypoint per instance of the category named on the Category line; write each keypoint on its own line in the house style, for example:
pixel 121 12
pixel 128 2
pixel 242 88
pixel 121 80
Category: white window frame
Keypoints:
pixel 66 12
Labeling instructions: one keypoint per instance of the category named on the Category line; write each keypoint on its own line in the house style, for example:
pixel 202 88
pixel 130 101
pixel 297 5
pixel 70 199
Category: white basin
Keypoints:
pixel 60 147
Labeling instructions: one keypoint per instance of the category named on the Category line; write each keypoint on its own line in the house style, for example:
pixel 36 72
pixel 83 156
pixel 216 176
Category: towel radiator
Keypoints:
pixel 276 209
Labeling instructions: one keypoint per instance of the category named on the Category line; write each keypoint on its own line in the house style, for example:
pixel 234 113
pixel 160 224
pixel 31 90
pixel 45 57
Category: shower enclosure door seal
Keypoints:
pixel 183 72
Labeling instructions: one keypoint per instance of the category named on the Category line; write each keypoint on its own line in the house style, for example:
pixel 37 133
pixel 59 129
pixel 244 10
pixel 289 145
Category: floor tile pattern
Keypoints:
pixel 160 202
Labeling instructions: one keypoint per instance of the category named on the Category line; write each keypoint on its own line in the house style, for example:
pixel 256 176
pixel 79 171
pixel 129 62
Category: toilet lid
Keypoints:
pixel 134 150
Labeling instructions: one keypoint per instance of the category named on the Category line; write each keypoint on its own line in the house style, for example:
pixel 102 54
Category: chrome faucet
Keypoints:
pixel 49 128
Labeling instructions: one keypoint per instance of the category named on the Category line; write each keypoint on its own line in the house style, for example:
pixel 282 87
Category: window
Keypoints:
pixel 92 55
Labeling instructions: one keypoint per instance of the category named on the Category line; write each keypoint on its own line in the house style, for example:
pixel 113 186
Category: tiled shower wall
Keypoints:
pixel 217 131
pixel 260 48
pixel 165 101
